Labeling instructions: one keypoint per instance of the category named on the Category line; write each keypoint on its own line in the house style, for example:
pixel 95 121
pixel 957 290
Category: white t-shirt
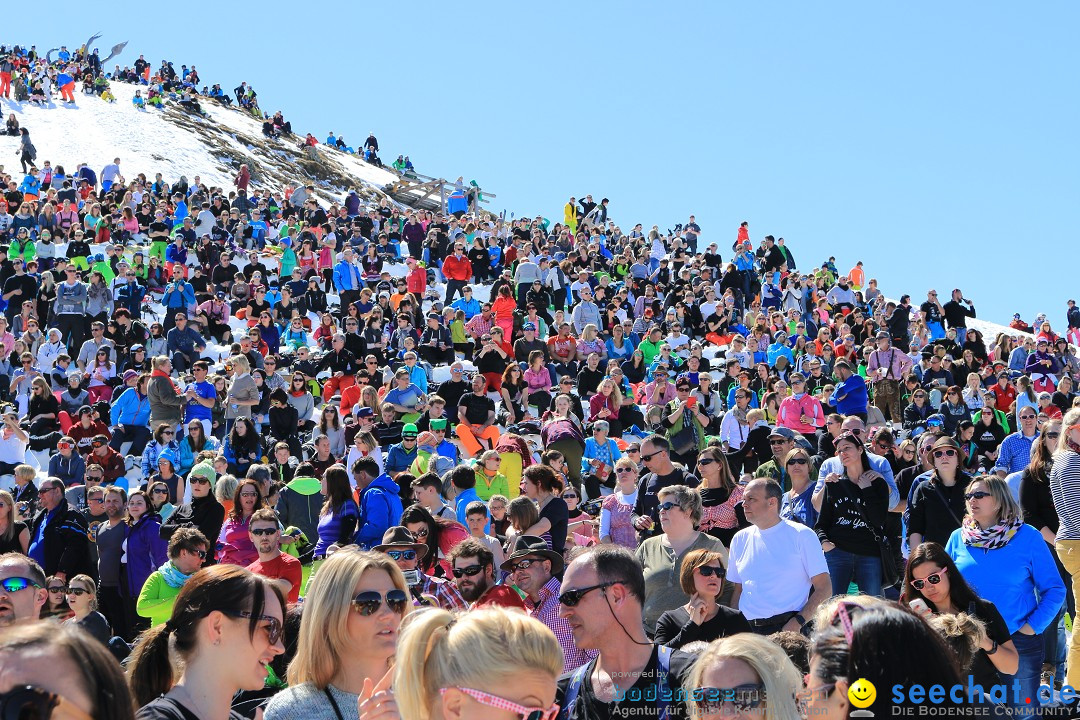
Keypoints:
pixel 774 567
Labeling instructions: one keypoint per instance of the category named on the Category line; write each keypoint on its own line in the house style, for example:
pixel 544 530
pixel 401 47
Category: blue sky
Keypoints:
pixel 935 142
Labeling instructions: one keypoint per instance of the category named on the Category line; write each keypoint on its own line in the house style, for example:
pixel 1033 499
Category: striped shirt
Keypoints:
pixel 1015 453
pixel 1065 490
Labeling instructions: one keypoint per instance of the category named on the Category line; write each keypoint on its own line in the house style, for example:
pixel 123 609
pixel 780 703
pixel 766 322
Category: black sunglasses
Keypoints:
pixel 267 531
pixel 797 461
pixel 709 571
pixel 368 602
pixel 650 456
pixel 28 702
pixel 665 506
pixel 570 598
pixel 705 461
pixel 470 571
pixel 977 495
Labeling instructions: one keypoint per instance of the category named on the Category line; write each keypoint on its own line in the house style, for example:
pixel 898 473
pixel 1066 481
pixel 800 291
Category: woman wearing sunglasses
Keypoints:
pixel 721 497
pixel 702 618
pixel 1008 563
pixel 617 509
pixel 81 594
pixel 226 626
pixel 663 555
pixel 52 672
pixel 932 577
pixel 56 607
pixel 487 664
pixel 204 512
pixel 348 635
pixel 938 503
pixel 747 676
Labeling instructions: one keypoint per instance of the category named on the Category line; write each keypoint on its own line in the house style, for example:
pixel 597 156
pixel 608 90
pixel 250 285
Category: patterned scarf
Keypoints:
pixel 992 538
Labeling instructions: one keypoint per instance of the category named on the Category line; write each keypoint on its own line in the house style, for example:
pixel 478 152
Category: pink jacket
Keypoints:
pixel 792 409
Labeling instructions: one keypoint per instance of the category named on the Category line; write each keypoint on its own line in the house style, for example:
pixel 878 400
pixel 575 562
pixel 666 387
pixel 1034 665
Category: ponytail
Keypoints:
pixel 422 639
pixel 150 672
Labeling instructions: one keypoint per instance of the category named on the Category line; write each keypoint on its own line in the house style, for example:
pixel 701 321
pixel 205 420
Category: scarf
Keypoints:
pixel 172 577
pixel 162 373
pixel 991 538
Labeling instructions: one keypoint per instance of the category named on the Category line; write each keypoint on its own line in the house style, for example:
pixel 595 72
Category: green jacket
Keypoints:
pixel 156 599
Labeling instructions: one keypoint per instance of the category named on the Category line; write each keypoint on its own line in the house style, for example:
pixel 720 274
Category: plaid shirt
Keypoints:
pixel 446 593
pixel 480 325
pixel 547 612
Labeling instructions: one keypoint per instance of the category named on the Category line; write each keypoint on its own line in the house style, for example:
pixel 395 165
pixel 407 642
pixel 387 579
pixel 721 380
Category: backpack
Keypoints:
pixel 663 690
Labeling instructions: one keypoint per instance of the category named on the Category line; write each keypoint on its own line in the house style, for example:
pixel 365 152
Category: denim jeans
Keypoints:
pixel 845 568
pixel 1028 673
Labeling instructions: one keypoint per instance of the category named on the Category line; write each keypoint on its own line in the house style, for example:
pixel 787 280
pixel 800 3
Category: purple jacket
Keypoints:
pixel 144 552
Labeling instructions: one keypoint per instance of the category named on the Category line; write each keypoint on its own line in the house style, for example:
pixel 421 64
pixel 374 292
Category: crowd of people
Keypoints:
pixel 307 457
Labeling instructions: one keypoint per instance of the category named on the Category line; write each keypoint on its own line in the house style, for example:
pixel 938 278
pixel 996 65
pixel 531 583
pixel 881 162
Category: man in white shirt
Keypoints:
pixel 777 566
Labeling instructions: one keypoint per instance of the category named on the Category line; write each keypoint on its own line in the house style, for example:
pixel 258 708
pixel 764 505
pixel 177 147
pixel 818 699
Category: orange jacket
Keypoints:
pixel 857 277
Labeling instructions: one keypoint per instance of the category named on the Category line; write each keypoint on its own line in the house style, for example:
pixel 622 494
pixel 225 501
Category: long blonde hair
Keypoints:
pixel 777 673
pixel 484 649
pixel 323 644
pixel 9 503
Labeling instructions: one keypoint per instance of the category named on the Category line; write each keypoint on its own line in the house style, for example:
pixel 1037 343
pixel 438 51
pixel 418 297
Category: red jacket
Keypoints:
pixel 455 268
pixel 416 281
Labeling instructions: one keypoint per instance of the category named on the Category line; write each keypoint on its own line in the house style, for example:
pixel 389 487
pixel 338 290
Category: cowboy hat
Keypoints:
pixel 398 537
pixel 525 545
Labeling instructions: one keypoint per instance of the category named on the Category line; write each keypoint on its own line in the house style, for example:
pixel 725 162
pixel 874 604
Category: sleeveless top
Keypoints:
pixel 622 529
pixel 722 515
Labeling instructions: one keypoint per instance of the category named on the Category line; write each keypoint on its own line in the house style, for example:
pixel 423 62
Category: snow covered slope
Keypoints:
pixel 175 143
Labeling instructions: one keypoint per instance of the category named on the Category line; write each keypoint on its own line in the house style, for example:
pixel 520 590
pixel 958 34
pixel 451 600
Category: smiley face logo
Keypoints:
pixel 862 693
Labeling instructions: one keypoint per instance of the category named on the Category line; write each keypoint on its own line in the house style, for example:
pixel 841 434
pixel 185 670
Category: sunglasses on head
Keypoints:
pixel 933 579
pixel 469 571
pixel 368 602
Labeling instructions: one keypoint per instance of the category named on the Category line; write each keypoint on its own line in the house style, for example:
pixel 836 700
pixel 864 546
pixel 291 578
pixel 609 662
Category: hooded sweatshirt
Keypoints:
pixel 380 509
pixel 299 505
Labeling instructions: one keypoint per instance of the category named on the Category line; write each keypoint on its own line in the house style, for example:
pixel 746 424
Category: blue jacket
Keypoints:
pixel 181 299
pixel 71 469
pixel 463 499
pixel 851 396
pixel 471 308
pixel 130 296
pixel 776 350
pixel 398 460
pixel 380 509
pixel 30 185
pixel 130 409
pixel 1021 579
pixel 344 279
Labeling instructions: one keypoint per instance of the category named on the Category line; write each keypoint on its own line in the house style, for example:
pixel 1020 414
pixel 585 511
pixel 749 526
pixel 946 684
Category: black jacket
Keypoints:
pixel 205 514
pixel 67 545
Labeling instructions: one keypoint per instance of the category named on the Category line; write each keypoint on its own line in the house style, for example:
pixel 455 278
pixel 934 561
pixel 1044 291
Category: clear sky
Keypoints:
pixel 936 141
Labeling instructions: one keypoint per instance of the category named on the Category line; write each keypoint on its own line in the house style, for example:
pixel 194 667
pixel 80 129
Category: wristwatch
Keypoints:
pixel 800 619
pixel 993 648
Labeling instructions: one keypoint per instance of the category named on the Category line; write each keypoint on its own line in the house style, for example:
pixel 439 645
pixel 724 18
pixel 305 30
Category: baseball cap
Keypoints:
pixel 786 433
pixel 365 412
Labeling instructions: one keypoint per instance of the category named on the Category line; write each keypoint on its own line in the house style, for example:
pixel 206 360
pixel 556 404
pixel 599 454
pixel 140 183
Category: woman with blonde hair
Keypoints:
pixel 463 667
pixel 752 671
pixel 14 535
pixel 352 610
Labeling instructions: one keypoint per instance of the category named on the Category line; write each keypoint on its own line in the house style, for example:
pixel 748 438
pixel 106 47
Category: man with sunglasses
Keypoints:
pixel 58 539
pixel 662 473
pixel 401 546
pixel 1015 451
pixel 282 568
pixel 474 577
pixel 22 589
pixel 535 570
pixel 627 675
pixel 187 552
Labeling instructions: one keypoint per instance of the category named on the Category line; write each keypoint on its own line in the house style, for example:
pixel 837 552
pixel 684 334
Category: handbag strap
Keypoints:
pixel 333 703
pixel 941 497
pixel 866 518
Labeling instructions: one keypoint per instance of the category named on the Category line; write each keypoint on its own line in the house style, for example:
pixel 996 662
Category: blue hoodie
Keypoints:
pixel 380 509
